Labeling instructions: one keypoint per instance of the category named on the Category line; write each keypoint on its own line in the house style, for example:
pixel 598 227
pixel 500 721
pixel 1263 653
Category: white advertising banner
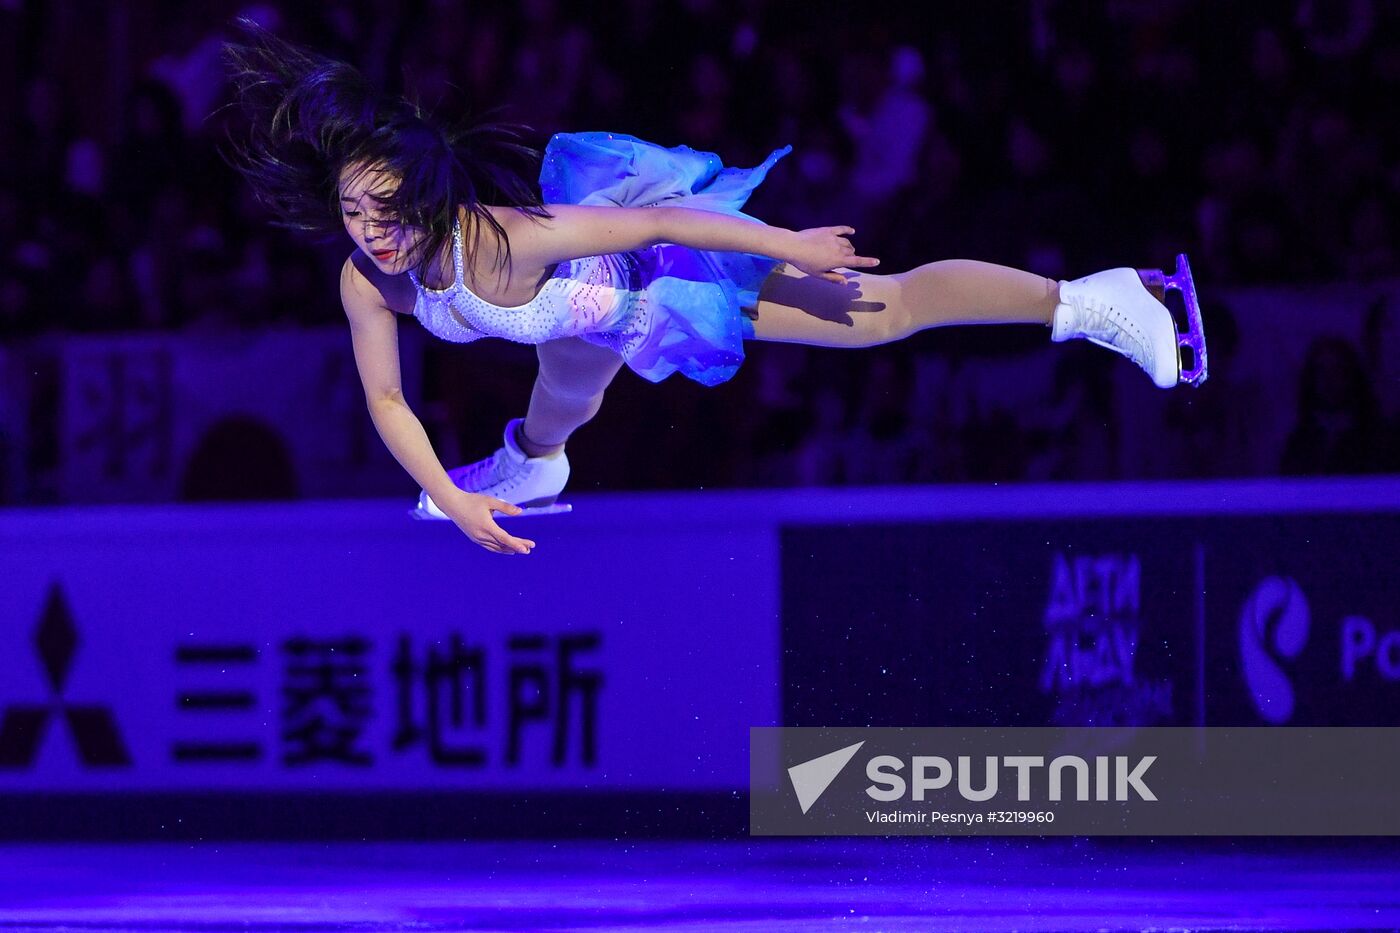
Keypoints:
pixel 341 646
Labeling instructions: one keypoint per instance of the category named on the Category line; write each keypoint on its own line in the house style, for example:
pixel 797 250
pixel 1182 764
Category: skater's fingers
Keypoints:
pixel 510 540
pixel 488 535
pixel 487 542
pixel 497 545
pixel 843 231
pixel 513 545
pixel 865 262
pixel 508 543
pixel 501 505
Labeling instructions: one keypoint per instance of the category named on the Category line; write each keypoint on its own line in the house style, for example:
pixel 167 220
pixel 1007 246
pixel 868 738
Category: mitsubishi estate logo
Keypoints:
pixel 1274 625
pixel 811 778
pixel 24 725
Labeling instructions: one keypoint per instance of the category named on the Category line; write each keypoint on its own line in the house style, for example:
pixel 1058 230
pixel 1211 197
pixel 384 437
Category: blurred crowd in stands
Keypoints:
pixel 1060 137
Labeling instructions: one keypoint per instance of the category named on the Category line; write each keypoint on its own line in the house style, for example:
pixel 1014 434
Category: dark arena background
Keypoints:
pixel 240 690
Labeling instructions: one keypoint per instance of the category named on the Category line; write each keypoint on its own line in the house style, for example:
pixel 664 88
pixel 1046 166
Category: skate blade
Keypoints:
pixel 1195 336
pixel 554 508
pixel 422 514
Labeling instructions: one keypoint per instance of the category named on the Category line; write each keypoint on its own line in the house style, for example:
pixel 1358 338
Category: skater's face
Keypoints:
pixel 391 244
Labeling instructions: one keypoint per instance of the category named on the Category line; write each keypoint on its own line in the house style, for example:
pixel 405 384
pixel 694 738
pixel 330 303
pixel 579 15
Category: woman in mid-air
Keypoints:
pixel 635 254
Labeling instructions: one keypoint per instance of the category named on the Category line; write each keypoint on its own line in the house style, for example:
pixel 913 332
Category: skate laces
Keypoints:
pixel 493 473
pixel 1100 323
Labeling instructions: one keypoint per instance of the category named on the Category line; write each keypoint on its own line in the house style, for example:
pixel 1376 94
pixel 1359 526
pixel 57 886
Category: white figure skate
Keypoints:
pixel 1126 311
pixel 533 483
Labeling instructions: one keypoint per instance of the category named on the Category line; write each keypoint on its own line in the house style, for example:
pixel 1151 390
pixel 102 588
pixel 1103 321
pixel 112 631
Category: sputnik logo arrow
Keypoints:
pixel 810 779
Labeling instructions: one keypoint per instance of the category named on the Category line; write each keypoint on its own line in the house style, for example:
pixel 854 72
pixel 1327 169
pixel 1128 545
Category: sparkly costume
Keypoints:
pixel 665 308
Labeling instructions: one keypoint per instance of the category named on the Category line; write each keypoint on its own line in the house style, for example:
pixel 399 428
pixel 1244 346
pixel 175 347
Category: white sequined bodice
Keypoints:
pixel 590 295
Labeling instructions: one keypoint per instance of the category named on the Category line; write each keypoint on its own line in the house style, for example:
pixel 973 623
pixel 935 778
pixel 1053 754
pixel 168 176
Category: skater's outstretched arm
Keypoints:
pixel 575 231
pixel 369 298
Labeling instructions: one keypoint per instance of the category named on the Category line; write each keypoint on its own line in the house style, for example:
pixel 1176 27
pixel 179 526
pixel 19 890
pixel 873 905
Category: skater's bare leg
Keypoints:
pixel 568 391
pixel 872 309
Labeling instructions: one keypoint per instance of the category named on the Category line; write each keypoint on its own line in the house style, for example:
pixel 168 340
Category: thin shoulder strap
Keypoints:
pixel 457 267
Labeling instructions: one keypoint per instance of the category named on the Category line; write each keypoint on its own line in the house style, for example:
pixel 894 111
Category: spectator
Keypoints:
pixel 1339 429
pixel 1048 138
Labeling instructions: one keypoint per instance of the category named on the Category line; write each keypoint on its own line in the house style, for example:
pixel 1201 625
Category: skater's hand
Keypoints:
pixel 472 513
pixel 819 250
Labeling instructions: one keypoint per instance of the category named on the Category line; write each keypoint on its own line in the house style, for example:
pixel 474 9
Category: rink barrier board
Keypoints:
pixel 717 583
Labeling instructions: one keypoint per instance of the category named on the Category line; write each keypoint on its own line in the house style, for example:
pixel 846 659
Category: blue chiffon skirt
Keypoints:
pixel 694 296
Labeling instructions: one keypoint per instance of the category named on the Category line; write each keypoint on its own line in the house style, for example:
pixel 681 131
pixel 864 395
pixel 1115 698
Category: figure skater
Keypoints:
pixel 635 254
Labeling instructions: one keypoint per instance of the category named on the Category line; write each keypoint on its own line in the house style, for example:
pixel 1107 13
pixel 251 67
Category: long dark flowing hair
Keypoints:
pixel 310 117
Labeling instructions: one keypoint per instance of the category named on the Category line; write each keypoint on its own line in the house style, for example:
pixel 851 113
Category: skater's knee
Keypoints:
pixel 893 322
